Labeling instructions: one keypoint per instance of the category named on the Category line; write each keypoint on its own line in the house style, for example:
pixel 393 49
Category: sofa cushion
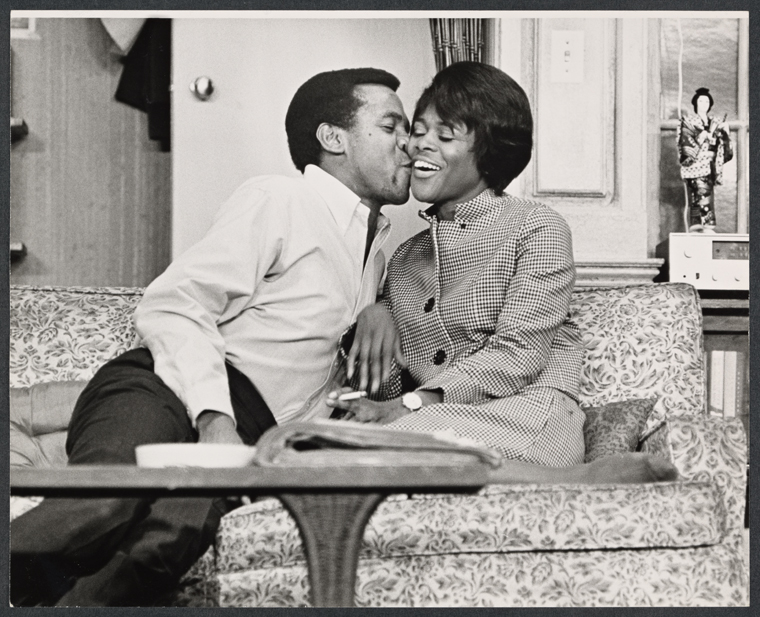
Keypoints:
pixel 642 341
pixel 699 576
pixel 615 428
pixel 39 417
pixel 43 451
pixel 498 519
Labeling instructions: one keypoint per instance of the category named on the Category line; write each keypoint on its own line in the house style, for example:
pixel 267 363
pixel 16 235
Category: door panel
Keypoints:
pixel 256 65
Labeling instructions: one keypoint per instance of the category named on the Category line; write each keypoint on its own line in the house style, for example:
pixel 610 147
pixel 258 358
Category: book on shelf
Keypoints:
pixel 729 384
pixel 742 384
pixel 715 382
pixel 706 368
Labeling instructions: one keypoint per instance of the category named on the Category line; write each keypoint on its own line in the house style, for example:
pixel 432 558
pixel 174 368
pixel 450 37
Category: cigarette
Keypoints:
pixel 352 396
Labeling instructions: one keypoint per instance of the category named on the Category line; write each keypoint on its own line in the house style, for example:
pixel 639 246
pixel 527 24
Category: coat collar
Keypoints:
pixel 471 210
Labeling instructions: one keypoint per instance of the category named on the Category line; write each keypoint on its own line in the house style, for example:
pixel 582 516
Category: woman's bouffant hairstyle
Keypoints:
pixel 702 92
pixel 327 97
pixel 490 103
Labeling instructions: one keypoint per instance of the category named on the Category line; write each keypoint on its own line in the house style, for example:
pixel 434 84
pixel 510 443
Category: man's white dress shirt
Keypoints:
pixel 270 288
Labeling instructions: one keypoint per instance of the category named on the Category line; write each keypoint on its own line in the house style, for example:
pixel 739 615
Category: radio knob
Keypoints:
pixel 687 253
pixel 714 277
pixel 737 278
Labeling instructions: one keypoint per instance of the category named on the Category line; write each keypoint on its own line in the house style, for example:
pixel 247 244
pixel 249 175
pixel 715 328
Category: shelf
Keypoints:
pixel 19 129
pixel 729 304
pixel 725 311
pixel 725 323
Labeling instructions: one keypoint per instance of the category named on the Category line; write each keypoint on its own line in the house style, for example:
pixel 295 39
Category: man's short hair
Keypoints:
pixel 327 97
pixel 490 103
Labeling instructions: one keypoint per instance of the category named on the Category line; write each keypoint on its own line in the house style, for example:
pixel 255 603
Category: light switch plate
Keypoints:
pixel 567 55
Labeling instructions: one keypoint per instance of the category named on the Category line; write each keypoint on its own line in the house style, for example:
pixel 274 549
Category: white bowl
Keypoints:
pixel 194 455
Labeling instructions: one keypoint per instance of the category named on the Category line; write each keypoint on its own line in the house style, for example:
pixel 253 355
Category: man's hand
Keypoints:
pixel 364 410
pixel 216 427
pixel 376 344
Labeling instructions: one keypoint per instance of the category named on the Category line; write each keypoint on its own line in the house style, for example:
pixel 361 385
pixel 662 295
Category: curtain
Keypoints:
pixel 455 40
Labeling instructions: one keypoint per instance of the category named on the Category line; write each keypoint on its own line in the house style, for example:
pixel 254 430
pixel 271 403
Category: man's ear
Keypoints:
pixel 332 138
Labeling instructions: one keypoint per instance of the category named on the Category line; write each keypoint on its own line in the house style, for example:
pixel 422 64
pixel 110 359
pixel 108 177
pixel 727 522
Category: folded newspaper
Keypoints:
pixel 336 442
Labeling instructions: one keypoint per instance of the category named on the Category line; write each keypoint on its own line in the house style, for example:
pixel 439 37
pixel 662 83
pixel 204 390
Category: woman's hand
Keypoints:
pixel 376 344
pixel 364 410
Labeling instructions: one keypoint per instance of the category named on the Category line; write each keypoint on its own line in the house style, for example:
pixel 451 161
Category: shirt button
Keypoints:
pixel 429 305
pixel 439 357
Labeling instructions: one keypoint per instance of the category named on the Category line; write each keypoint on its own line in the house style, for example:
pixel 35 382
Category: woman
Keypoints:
pixel 703 146
pixel 481 297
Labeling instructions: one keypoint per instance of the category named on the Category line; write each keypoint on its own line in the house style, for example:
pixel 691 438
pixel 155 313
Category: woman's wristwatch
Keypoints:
pixel 412 401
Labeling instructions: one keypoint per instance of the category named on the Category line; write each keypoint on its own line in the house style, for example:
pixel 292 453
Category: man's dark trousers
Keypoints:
pixel 131 551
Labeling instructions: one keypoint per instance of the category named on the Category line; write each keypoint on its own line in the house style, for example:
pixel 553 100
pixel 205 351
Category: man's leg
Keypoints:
pixel 123 406
pixel 158 550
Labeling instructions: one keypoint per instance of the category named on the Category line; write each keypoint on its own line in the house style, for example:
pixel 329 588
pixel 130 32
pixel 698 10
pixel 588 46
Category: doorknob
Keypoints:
pixel 202 88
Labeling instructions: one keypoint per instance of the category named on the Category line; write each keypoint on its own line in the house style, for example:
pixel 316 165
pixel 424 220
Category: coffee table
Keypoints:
pixel 331 505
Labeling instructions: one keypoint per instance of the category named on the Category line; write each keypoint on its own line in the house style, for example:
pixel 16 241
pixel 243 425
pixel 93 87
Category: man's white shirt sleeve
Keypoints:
pixel 213 281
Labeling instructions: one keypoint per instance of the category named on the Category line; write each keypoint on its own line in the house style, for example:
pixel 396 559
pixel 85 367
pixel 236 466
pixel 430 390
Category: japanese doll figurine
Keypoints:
pixel 704 145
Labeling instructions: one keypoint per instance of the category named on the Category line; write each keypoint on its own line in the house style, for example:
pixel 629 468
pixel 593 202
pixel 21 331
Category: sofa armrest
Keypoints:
pixel 707 449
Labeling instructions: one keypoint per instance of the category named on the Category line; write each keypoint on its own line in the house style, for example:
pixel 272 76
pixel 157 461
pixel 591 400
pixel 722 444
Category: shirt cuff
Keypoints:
pixel 199 401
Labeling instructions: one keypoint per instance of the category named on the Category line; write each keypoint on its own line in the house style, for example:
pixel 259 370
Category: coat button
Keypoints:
pixel 439 357
pixel 429 305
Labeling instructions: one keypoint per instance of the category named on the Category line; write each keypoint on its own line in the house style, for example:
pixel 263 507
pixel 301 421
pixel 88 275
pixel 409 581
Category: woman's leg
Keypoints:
pixel 560 443
pixel 634 467
pixel 564 434
pixel 553 447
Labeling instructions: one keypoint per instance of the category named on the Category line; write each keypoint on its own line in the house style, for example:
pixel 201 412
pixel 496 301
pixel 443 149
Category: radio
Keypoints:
pixel 710 261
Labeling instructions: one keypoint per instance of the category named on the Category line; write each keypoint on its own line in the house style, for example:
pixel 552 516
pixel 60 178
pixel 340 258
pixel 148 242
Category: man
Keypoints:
pixel 239 334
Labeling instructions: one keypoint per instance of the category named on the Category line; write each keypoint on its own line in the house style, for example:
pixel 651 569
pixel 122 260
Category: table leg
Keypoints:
pixel 332 528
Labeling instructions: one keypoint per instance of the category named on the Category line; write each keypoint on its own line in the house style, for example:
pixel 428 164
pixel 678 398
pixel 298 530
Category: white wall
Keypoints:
pixel 256 65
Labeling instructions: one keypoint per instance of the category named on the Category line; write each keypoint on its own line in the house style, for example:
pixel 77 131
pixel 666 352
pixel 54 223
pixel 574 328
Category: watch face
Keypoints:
pixel 412 401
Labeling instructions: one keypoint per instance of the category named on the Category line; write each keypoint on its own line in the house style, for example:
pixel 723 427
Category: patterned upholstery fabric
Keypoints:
pixel 642 341
pixel 503 519
pixel 699 576
pixel 713 449
pixel 615 428
pixel 675 543
pixel 66 334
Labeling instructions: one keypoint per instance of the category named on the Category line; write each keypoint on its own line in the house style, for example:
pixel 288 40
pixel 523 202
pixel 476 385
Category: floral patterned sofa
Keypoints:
pixel 662 544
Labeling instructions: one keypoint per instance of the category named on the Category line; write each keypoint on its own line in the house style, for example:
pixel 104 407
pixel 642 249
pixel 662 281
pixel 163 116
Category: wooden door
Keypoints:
pixel 255 65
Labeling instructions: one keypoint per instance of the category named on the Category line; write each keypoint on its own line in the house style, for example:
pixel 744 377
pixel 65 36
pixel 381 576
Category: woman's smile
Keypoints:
pixel 445 170
pixel 424 168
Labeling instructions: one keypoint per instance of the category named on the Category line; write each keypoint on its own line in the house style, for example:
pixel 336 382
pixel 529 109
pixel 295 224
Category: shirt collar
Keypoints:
pixel 470 210
pixel 340 199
